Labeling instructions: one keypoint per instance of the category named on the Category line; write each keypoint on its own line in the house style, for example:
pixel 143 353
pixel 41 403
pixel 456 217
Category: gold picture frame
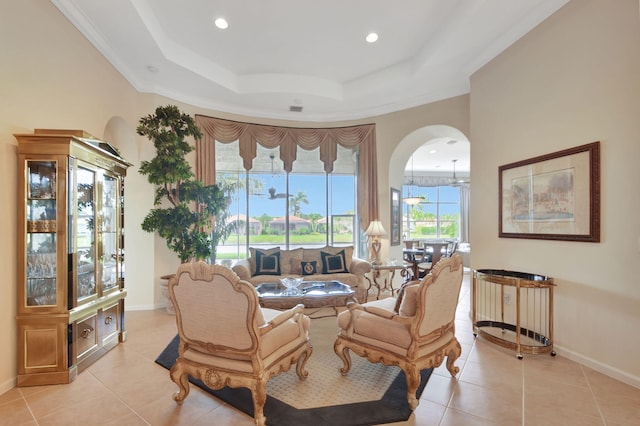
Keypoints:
pixel 552 197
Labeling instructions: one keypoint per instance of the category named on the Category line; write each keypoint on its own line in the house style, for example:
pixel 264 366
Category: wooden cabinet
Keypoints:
pixel 71 253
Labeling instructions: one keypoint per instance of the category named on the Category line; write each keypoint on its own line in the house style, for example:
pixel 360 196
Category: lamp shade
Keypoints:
pixel 412 201
pixel 375 229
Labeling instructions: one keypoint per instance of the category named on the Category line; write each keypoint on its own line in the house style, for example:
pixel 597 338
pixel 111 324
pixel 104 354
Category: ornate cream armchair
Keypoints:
pixel 227 339
pixel 415 331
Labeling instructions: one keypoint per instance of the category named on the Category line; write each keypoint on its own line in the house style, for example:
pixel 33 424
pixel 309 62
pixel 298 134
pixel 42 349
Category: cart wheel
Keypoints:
pixel 553 353
pixel 519 356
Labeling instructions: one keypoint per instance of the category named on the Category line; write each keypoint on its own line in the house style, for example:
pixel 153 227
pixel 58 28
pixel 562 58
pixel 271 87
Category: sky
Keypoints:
pixel 342 201
pixel 313 186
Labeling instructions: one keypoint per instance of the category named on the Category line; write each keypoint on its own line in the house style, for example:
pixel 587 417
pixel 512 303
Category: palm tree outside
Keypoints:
pixel 295 203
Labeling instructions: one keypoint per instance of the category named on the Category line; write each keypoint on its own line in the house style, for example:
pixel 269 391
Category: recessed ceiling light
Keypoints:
pixel 371 38
pixel 433 151
pixel 221 23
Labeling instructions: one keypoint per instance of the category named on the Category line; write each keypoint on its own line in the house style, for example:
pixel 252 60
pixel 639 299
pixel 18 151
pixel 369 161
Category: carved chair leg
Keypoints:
pixel 343 353
pixel 302 362
pixel 413 381
pixel 453 353
pixel 259 394
pixel 180 378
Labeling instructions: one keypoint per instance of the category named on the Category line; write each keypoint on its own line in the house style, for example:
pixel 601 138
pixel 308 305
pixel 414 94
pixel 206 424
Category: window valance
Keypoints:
pixel 287 139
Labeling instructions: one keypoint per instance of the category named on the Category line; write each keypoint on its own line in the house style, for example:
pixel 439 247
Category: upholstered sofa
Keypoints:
pixel 313 264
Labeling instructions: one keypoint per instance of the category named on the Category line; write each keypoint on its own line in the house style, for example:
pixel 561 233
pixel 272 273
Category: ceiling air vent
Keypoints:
pixel 295 108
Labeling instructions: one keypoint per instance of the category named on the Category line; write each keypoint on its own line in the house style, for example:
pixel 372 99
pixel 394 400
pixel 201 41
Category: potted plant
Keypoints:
pixel 185 210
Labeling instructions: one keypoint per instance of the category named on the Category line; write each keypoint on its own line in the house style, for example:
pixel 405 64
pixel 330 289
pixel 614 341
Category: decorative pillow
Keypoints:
pixel 295 266
pixel 252 257
pixel 409 303
pixel 348 253
pixel 308 268
pixel 400 295
pixel 287 264
pixel 309 255
pixel 333 263
pixel 267 264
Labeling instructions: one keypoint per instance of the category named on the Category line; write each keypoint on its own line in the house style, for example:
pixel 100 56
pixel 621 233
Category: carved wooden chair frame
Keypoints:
pixel 413 362
pixel 256 377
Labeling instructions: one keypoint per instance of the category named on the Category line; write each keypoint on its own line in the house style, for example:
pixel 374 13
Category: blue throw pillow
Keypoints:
pixel 308 268
pixel 267 264
pixel 333 263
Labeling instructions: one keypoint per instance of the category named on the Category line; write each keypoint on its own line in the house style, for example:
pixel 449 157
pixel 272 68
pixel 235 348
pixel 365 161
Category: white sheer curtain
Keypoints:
pixel 465 198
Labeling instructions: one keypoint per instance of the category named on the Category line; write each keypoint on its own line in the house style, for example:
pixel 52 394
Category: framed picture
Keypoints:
pixel 396 216
pixel 552 197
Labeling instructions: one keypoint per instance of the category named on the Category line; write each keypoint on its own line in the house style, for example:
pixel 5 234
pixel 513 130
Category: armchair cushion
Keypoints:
pixel 400 294
pixel 409 302
pixel 285 329
pixel 373 322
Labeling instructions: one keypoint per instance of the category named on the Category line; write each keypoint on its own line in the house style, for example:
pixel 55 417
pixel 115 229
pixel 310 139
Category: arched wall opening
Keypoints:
pixel 401 156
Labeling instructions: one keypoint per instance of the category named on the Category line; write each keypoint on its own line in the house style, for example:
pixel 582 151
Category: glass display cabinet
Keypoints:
pixel 71 254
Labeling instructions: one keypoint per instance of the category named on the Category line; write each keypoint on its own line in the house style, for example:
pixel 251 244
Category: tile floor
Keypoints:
pixel 127 388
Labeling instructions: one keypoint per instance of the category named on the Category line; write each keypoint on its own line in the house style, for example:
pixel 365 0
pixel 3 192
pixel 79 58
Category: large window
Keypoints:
pixel 438 216
pixel 304 208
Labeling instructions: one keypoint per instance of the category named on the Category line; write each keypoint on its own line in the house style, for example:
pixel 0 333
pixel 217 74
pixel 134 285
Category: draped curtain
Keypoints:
pixel 288 139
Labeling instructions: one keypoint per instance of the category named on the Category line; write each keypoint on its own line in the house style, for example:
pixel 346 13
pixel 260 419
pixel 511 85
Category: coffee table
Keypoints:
pixel 312 294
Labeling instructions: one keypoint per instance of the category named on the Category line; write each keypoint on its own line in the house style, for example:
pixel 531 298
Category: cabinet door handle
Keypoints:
pixel 108 320
pixel 86 332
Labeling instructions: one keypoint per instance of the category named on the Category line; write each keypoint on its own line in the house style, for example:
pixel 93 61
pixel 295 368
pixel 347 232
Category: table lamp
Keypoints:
pixel 375 231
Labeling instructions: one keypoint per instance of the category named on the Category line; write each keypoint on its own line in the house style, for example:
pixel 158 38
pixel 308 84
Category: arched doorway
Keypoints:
pixel 424 162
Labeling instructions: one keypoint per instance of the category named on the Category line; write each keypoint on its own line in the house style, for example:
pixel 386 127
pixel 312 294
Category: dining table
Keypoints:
pixel 415 256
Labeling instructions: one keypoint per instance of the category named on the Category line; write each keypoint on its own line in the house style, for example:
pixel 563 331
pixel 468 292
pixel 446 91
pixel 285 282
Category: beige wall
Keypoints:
pixel 52 77
pixel 573 80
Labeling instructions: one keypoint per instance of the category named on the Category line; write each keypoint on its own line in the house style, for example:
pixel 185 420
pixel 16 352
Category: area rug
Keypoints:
pixel 370 394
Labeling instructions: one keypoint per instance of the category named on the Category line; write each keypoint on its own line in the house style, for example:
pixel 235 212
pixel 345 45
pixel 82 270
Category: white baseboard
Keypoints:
pixel 144 307
pixel 605 369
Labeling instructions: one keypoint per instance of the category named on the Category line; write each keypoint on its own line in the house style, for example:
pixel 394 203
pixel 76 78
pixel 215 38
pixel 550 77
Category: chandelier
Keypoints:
pixel 412 201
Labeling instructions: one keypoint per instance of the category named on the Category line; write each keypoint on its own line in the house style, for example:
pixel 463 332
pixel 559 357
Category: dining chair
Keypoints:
pixel 452 247
pixel 430 259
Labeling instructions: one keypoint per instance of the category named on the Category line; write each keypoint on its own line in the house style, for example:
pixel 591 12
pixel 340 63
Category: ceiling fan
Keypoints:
pixel 273 195
pixel 456 181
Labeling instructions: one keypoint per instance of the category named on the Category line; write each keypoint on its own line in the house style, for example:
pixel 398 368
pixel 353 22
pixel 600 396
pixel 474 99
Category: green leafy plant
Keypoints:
pixel 185 209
